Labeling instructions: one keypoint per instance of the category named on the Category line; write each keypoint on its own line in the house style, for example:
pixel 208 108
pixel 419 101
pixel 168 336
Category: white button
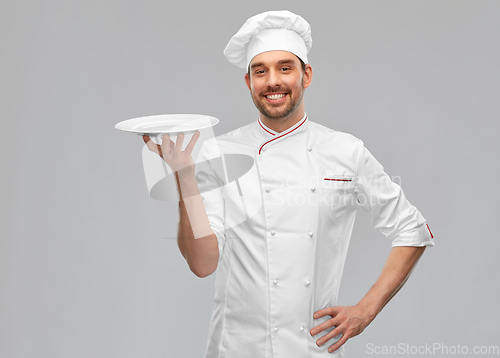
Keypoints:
pixel 263 149
pixel 309 149
pixel 301 329
pixel 267 190
pixel 275 329
pixel 307 283
pixel 275 282
pixel 310 233
pixel 313 189
pixel 273 233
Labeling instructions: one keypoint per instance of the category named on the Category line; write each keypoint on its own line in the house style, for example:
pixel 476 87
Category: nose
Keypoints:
pixel 274 78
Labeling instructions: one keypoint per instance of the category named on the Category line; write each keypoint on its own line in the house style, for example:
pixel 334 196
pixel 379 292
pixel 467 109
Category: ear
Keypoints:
pixel 308 75
pixel 247 81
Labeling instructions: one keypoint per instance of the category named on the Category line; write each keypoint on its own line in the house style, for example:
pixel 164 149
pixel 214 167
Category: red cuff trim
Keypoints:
pixel 432 236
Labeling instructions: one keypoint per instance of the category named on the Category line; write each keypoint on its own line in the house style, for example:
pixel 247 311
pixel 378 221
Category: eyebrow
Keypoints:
pixel 280 62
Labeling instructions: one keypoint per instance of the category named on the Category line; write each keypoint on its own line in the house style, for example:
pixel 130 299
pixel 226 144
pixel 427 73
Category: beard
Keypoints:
pixel 281 111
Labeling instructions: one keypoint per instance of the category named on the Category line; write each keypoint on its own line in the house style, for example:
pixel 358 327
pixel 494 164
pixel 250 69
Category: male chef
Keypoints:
pixel 278 236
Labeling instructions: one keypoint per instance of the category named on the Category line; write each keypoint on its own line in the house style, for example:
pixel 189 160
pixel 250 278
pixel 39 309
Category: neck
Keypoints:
pixel 282 124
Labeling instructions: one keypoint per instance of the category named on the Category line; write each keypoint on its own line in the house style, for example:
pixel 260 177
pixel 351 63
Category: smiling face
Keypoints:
pixel 277 81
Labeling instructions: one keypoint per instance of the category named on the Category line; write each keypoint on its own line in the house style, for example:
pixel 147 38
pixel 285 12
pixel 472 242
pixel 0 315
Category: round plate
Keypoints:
pixel 167 123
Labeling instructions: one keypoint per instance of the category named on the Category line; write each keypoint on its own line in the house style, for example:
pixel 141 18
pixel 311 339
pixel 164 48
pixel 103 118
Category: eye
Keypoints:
pixel 284 69
pixel 258 72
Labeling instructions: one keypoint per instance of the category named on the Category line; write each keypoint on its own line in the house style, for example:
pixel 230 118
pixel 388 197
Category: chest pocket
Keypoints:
pixel 337 193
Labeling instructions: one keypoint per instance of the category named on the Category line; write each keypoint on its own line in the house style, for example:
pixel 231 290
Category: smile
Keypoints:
pixel 277 97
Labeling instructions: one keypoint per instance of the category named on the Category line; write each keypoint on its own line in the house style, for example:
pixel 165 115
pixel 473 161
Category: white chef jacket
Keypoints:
pixel 283 231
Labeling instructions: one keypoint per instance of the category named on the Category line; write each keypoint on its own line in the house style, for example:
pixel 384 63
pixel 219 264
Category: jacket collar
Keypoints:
pixel 271 135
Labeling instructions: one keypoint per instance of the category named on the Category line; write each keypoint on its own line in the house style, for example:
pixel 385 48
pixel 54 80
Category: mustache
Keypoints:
pixel 276 90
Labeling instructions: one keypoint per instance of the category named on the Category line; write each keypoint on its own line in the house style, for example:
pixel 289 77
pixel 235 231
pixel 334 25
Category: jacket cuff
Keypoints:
pixel 419 236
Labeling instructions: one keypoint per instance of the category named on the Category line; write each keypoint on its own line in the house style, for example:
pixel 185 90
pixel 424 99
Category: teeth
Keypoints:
pixel 276 96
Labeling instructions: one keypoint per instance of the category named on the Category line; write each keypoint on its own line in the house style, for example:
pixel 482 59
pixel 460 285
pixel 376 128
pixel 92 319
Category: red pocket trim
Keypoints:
pixel 338 179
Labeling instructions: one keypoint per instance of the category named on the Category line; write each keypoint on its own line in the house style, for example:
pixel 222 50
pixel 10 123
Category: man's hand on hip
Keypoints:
pixel 349 321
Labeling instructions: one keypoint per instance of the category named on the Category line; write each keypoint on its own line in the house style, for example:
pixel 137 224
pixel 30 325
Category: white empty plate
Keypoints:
pixel 167 123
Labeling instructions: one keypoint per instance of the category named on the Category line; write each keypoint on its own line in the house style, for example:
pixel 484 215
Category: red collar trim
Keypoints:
pixel 264 128
pixel 269 141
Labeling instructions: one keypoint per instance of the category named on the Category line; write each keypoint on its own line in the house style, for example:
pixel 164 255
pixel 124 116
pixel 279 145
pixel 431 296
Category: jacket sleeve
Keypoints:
pixel 210 186
pixel 391 212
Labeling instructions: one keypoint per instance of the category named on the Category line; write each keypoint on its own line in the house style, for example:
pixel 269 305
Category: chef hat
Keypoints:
pixel 269 31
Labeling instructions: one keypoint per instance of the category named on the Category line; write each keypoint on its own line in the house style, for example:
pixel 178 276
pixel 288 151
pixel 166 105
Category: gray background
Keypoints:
pixel 89 266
